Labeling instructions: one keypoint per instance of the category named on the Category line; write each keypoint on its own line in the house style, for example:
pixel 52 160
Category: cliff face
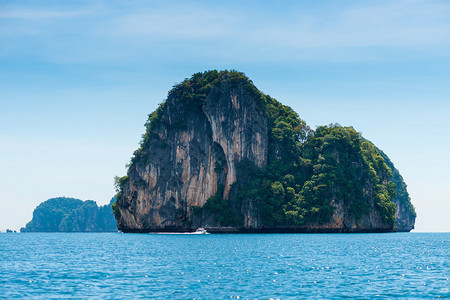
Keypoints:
pixel 195 150
pixel 222 155
pixel 405 215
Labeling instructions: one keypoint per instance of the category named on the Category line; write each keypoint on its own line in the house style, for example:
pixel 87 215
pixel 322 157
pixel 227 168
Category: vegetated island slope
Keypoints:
pixel 220 154
pixel 71 215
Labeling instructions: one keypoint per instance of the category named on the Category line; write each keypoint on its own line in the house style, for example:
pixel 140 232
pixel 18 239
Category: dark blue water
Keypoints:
pixel 114 265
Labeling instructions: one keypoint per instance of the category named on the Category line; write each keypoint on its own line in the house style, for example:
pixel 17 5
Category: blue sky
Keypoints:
pixel 78 79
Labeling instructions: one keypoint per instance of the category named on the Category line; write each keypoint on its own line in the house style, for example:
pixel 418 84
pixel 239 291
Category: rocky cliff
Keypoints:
pixel 405 215
pixel 220 154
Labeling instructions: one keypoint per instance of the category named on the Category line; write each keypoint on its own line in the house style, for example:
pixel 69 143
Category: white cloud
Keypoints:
pixel 37 14
pixel 226 33
pixel 174 25
pixel 390 24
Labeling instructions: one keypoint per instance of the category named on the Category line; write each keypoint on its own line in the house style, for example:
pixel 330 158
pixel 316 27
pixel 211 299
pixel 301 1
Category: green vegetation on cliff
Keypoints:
pixel 301 182
pixel 71 215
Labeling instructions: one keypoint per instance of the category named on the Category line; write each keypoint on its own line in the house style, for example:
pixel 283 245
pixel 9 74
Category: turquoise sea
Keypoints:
pixel 224 266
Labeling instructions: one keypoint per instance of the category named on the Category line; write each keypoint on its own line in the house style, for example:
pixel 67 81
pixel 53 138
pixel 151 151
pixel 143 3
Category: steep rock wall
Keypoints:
pixel 405 215
pixel 185 165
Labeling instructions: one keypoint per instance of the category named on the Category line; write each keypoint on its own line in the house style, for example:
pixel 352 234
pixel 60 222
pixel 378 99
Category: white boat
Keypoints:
pixel 201 230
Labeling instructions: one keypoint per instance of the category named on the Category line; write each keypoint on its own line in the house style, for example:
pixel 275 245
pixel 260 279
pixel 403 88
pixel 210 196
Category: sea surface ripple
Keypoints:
pixel 224 266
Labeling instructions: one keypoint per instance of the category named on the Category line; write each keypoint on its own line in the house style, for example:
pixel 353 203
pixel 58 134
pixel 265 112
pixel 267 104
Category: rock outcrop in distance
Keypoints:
pixel 72 215
pixel 220 154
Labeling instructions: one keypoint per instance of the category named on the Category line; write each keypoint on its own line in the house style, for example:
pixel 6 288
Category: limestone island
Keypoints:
pixel 65 214
pixel 221 155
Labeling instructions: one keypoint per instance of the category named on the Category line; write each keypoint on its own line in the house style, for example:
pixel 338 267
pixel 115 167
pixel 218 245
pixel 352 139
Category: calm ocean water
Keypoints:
pixel 245 266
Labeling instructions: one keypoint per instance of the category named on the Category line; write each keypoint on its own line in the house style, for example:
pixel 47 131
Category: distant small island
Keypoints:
pixel 72 215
